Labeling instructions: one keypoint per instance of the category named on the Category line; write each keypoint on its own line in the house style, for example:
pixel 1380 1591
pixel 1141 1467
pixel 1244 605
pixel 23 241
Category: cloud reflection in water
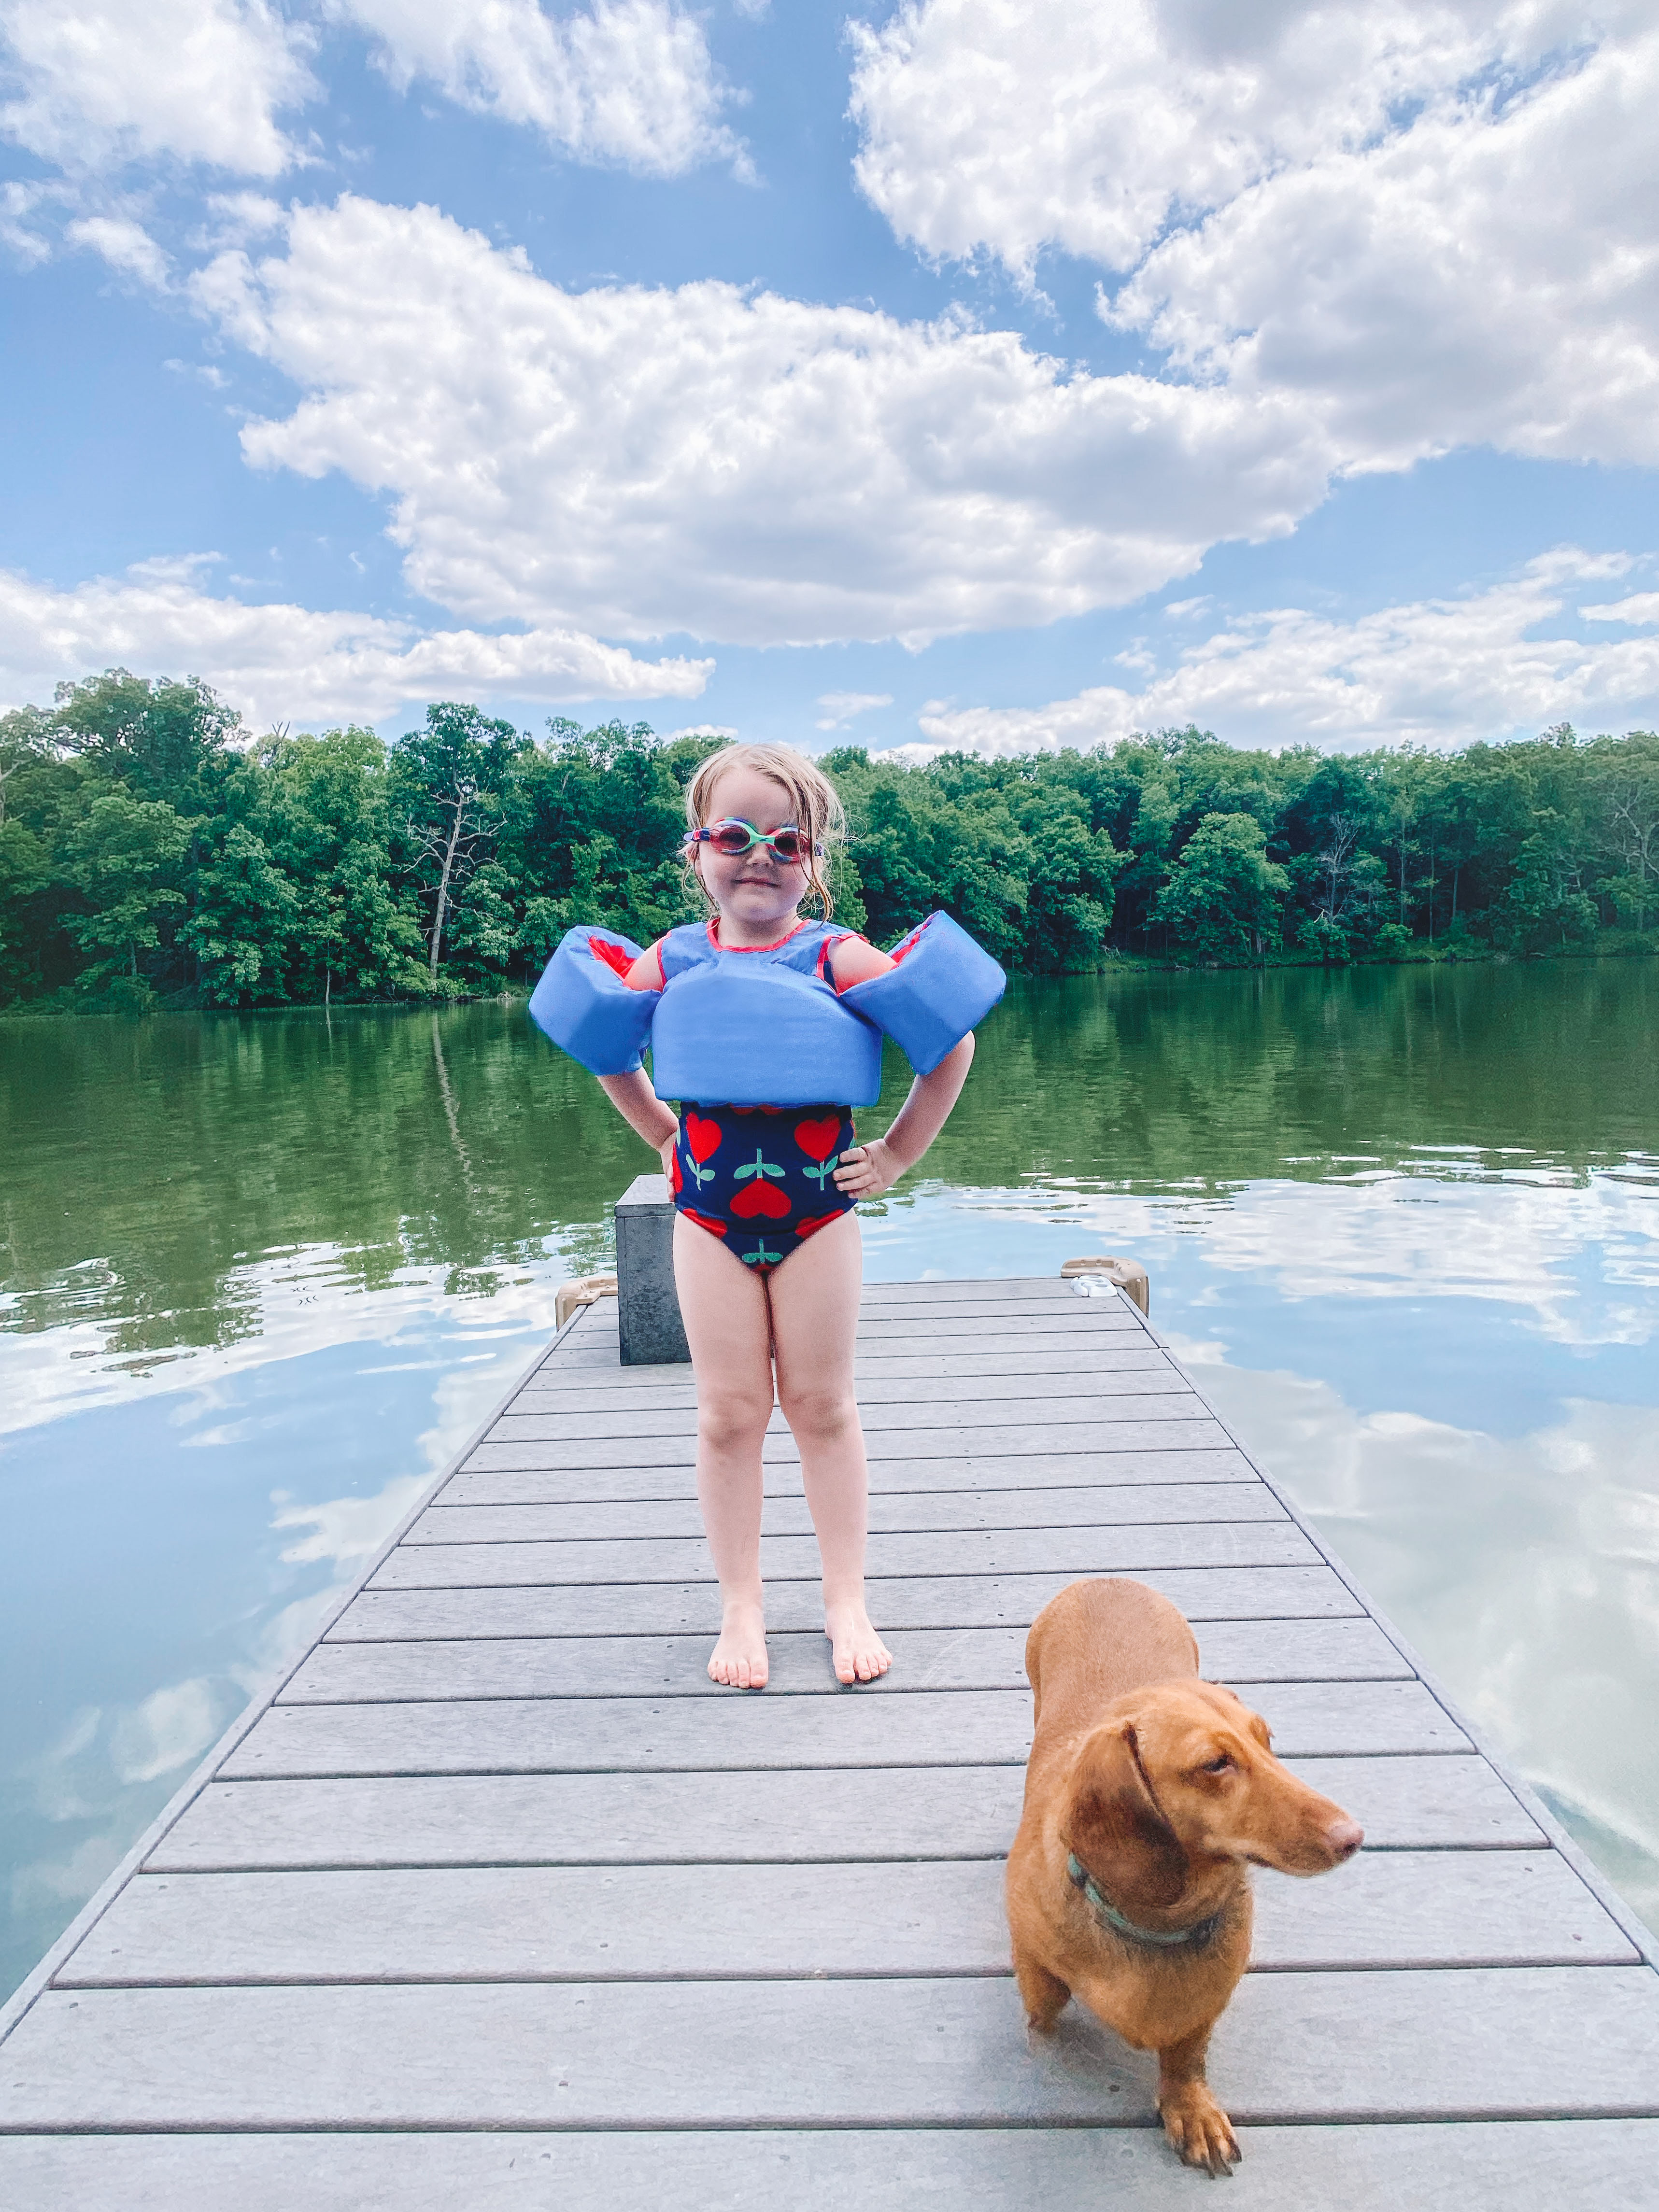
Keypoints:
pixel 1525 1569
pixel 210 1510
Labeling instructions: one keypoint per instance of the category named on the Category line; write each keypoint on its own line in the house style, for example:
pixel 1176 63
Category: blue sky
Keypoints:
pixel 964 372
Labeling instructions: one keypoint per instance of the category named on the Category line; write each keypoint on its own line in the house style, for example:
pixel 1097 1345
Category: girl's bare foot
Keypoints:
pixel 860 1654
pixel 739 1659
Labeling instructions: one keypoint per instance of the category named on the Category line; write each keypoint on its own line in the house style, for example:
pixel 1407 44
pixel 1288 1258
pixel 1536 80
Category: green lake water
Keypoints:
pixel 261 1274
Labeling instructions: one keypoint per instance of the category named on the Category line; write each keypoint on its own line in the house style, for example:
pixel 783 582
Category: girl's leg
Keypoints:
pixel 727 1327
pixel 815 1312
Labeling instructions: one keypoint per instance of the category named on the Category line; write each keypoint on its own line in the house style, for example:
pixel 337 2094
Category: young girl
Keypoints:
pixel 750 1008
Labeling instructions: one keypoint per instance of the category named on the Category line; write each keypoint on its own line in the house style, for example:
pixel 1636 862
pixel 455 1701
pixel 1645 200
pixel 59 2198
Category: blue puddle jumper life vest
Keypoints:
pixel 764 1027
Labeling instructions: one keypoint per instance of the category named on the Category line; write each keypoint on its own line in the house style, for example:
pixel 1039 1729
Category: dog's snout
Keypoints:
pixel 1344 1837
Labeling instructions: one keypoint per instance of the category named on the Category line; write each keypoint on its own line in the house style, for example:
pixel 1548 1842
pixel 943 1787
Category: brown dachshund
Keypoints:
pixel 1147 1793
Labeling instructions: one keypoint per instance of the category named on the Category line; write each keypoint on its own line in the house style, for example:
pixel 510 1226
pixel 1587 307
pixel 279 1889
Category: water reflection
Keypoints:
pixel 167 1168
pixel 1525 1567
pixel 261 1274
pixel 178 1533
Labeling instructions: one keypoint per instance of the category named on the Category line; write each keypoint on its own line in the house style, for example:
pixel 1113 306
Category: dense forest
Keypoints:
pixel 151 855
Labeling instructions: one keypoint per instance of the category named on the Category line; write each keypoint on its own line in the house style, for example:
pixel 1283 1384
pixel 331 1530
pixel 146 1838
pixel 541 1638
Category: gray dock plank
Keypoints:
pixel 1408 2166
pixel 1142 1397
pixel 956 1337
pixel 1089 1469
pixel 980 1318
pixel 447 1522
pixel 917 1728
pixel 986 1317
pixel 883 1379
pixel 938 1329
pixel 788 1816
pixel 883 1375
pixel 737 1922
pixel 942 1328
pixel 1008 1294
pixel 596 1373
pixel 895 1381
pixel 1169 1430
pixel 927 1290
pixel 1481 2044
pixel 597 1328
pixel 341 1673
pixel 901 1601
pixel 800 1815
pixel 1105 1551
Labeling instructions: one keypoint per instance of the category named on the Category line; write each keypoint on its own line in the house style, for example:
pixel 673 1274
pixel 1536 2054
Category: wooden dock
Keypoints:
pixel 499 1903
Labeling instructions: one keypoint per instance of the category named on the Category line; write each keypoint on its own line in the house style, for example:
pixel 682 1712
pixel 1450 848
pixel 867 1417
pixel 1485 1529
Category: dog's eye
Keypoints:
pixel 1217 1765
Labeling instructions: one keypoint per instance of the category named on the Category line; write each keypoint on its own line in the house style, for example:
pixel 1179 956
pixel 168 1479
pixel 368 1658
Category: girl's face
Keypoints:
pixel 757 896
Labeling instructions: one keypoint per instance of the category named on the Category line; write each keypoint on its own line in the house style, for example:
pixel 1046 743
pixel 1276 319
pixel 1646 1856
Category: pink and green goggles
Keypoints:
pixel 733 838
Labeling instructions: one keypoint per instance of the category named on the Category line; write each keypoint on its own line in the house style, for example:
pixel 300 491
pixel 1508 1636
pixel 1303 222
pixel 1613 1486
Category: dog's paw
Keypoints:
pixel 1199 2129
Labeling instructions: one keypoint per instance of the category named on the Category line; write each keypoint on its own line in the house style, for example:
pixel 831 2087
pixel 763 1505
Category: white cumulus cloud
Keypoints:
pixel 641 462
pixel 1002 126
pixel 1640 610
pixel 94 82
pixel 1428 221
pixel 840 706
pixel 286 663
pixel 627 81
pixel 20 206
pixel 1434 671
pixel 125 244
pixel 1482 277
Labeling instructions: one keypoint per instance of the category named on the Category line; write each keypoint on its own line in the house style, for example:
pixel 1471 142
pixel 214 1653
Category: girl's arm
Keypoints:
pixel 646 974
pixel 869 1169
pixel 855 960
pixel 643 1111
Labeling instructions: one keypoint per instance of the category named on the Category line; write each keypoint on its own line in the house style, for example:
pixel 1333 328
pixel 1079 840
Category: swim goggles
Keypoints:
pixel 731 839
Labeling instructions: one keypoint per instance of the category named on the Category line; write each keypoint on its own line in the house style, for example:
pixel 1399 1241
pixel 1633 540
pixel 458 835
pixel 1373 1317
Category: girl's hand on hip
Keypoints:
pixel 665 1154
pixel 868 1170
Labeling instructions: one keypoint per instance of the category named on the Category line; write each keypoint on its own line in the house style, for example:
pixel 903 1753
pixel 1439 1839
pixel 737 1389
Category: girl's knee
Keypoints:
pixel 826 1416
pixel 730 1420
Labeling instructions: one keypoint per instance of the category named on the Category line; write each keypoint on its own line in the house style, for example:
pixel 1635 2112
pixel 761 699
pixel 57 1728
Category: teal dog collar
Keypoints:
pixel 1109 1916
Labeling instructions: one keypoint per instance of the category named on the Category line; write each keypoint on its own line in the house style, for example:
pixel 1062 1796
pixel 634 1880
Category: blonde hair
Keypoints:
pixel 813 800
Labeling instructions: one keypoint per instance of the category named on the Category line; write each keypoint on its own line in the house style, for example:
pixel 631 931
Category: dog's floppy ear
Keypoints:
pixel 1116 1826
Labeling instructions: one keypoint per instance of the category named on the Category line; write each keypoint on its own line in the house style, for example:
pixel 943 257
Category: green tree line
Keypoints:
pixel 150 854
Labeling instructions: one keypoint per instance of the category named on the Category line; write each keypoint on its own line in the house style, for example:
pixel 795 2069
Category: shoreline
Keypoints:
pixel 1118 964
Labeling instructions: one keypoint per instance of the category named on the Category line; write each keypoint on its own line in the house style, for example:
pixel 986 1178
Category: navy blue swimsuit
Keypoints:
pixel 760 1178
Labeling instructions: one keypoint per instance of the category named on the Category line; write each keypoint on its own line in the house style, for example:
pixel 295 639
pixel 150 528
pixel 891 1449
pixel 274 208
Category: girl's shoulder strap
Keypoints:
pixel 689 946
pixel 810 948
